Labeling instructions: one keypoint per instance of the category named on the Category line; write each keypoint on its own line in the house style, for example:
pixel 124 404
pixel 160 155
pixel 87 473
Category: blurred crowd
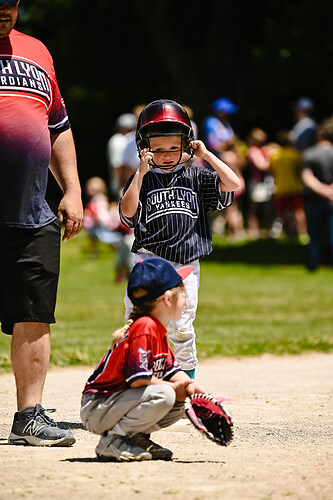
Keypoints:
pixel 286 182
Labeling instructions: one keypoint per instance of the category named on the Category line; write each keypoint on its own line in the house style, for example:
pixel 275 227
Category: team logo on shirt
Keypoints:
pixel 143 358
pixel 159 367
pixel 23 76
pixel 176 199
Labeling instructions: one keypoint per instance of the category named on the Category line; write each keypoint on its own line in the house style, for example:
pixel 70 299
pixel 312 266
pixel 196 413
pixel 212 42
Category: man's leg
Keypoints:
pixel 30 353
pixel 330 235
pixel 314 226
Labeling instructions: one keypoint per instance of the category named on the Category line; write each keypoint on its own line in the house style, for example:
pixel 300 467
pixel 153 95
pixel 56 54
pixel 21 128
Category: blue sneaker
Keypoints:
pixel 32 427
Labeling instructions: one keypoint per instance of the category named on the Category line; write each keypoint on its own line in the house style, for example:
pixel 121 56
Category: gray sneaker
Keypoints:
pixel 34 428
pixel 115 447
pixel 156 451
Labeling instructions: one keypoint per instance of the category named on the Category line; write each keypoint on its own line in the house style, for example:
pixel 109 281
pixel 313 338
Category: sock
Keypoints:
pixel 190 373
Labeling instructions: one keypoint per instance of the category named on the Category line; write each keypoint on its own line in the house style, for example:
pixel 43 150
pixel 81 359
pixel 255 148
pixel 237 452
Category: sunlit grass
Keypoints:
pixel 245 308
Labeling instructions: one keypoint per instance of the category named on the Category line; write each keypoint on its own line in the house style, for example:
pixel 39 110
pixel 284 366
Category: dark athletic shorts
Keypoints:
pixel 29 270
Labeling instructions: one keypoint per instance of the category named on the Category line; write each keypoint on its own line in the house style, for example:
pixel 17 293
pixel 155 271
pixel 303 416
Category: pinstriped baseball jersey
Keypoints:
pixel 171 220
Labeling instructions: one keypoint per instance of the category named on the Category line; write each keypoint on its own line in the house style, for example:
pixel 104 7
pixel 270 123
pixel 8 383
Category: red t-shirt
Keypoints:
pixel 31 108
pixel 142 353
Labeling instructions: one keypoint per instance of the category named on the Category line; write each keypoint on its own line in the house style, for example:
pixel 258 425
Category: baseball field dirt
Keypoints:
pixel 282 446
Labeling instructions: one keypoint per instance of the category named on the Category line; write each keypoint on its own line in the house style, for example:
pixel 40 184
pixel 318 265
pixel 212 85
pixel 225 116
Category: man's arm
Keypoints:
pixel 311 181
pixel 64 168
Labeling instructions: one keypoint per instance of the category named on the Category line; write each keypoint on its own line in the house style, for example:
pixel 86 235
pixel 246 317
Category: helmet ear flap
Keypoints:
pixel 186 144
pixel 145 144
pixel 186 140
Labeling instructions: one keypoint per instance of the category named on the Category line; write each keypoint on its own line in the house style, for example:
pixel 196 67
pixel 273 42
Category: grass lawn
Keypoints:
pixel 254 297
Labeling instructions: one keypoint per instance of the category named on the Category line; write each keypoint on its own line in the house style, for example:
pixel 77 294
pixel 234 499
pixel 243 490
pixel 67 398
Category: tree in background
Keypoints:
pixel 110 56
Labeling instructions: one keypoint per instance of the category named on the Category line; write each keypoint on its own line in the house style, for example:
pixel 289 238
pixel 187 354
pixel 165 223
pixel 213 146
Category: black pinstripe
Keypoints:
pixel 171 220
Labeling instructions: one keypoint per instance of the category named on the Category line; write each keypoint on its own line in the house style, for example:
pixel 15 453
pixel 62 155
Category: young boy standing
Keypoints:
pixel 167 205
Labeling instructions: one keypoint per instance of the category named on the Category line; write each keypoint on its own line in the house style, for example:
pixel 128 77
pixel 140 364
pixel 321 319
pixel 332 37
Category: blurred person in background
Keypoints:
pixel 304 132
pixel 115 147
pixel 217 132
pixel 232 156
pixel 317 176
pixel 130 158
pixel 259 182
pixel 102 223
pixel 217 129
pixel 288 200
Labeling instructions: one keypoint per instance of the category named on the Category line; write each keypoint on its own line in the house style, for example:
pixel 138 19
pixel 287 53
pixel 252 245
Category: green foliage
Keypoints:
pixel 255 297
pixel 262 54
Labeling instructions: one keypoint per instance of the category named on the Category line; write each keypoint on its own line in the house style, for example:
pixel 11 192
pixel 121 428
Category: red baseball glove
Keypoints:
pixel 209 416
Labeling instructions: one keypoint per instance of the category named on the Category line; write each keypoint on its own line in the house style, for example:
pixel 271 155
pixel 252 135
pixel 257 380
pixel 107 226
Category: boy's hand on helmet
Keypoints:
pixel 199 148
pixel 146 160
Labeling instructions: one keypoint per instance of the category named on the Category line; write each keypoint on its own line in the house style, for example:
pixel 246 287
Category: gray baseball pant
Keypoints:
pixel 130 411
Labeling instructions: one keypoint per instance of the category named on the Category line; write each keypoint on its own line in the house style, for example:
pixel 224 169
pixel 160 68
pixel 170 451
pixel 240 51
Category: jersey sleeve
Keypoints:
pixel 213 197
pixel 171 366
pixel 139 363
pixel 58 118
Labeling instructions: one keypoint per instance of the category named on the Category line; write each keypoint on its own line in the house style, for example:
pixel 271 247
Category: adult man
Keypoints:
pixel 34 133
pixel 114 151
pixel 304 132
pixel 317 176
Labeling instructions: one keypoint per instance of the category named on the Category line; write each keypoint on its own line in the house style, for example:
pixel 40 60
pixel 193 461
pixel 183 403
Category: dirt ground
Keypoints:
pixel 282 447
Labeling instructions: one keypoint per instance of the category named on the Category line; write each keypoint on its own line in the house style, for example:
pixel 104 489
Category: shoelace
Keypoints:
pixel 45 418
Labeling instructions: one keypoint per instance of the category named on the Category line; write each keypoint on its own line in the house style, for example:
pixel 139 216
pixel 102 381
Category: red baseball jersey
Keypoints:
pixel 142 353
pixel 31 108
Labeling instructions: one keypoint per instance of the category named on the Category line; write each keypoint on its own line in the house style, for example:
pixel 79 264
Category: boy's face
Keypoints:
pixel 167 151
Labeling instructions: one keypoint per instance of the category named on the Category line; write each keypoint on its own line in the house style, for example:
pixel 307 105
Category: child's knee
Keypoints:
pixel 165 396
